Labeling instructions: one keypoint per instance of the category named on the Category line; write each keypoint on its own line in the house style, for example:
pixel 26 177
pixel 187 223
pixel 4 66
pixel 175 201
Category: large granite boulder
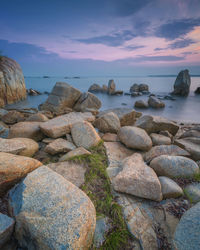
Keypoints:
pixel 62 96
pixel 61 125
pixel 12 85
pixel 51 213
pixel 182 83
pixel 155 124
pixel 174 166
pixel 186 236
pixel 87 101
pixel 108 123
pixel 138 179
pixel 13 168
pixel 155 102
pixel 135 138
pixel 6 228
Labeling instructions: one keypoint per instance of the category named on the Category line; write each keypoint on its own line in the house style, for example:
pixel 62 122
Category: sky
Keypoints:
pixel 101 38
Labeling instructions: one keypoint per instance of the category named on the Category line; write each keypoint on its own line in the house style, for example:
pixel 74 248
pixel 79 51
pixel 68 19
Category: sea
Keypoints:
pixel 182 109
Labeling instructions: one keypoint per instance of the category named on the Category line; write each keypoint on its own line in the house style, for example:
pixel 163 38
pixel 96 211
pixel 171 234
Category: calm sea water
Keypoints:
pixel 186 109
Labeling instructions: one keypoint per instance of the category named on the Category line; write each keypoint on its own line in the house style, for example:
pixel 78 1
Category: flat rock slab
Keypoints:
pixel 61 125
pixel 6 228
pixel 76 152
pixel 190 144
pixel 60 145
pixel 51 212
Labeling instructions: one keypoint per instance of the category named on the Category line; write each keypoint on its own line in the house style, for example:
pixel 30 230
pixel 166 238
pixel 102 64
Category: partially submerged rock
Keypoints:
pixel 141 104
pixel 111 87
pixel 182 83
pixel 155 102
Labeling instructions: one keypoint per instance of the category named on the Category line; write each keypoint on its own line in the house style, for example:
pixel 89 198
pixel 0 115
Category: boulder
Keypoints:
pixel 170 189
pixel 138 179
pixel 84 135
pixel 141 104
pixel 87 101
pixel 197 91
pixel 134 88
pixel 108 123
pixel 73 172
pixel 26 130
pixel 158 139
pixel 12 85
pixel 135 138
pixel 13 117
pixel 164 150
pixel 76 152
pixel 61 125
pixel 110 137
pixel 182 83
pixel 62 96
pixel 143 87
pixel 111 87
pixel 31 146
pixel 174 166
pixel 96 88
pixel 190 133
pixel 155 124
pixel 13 168
pixel 39 117
pixel 190 144
pixel 51 213
pixel 192 192
pixel 59 145
pixel 187 231
pixel 6 228
pixel 155 102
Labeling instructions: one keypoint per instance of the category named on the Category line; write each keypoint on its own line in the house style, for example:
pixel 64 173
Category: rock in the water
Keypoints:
pixel 192 192
pixel 155 124
pixel 143 87
pixel 186 236
pixel 158 139
pixel 84 135
pixel 51 213
pixel 141 104
pixel 61 125
pixel 73 172
pixel 26 130
pixel 138 179
pixel 135 138
pixel 182 83
pixel 95 88
pixel 39 117
pixel 155 102
pixel 190 144
pixel 13 117
pixel 197 91
pixel 13 168
pixel 174 166
pixel 170 189
pixel 6 228
pixel 62 96
pixel 108 123
pixel 87 101
pixel 111 87
pixel 59 145
pixel 110 137
pixel 12 85
pixel 134 88
pixel 76 152
pixel 164 150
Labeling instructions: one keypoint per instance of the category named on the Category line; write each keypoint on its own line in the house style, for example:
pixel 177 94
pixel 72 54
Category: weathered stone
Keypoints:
pixel 166 133
pixel 170 189
pixel 69 138
pixel 62 96
pixel 190 133
pixel 4 130
pixel 155 102
pixel 95 88
pixel 3 112
pixel 192 192
pixel 190 144
pixel 31 147
pixel 48 140
pixel 87 101
pixel 135 138
pixel 182 83
pixel 143 87
pixel 61 125
pixel 6 228
pixel 26 130
pixel 108 123
pixel 84 135
pixel 13 168
pixel 158 139
pixel 187 232
pixel 13 117
pixel 138 179
pixel 73 172
pixel 12 85
pixel 39 117
pixel 134 88
pixel 164 150
pixel 141 104
pixel 59 145
pixel 10 146
pixel 111 87
pixel 110 137
pixel 174 166
pixel 51 213
pixel 76 152
pixel 155 124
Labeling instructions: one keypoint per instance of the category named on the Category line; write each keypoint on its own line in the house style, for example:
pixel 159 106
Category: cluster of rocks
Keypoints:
pixel 146 155
pixel 152 102
pixel 139 89
pixel 110 89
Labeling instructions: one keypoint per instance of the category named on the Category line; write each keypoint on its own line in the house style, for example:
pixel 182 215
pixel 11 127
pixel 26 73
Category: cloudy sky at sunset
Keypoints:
pixel 90 37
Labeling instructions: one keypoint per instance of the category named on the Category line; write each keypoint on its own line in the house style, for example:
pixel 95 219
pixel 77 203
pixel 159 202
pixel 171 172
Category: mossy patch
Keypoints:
pixel 97 186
